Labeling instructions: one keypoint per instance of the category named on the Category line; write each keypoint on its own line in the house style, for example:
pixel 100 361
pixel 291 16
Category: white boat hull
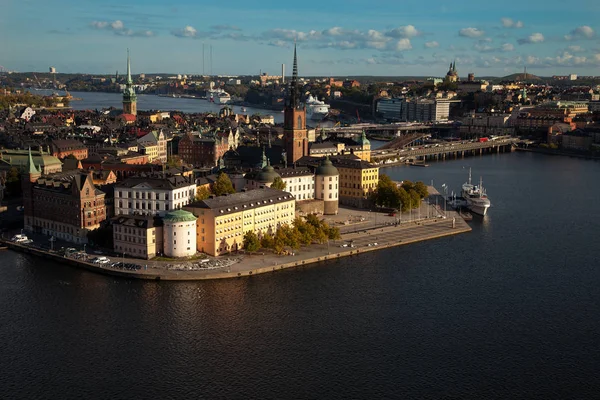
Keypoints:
pixel 478 209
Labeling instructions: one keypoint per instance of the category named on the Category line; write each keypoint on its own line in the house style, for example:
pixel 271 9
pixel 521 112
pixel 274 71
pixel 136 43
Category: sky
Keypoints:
pixel 334 37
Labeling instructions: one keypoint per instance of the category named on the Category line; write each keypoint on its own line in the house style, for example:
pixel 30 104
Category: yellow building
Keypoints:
pixel 223 220
pixel 139 236
pixel 358 178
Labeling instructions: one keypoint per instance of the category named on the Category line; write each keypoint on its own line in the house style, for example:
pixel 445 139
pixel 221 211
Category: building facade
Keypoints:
pixel 139 236
pixel 357 180
pixel 179 234
pixel 327 189
pixel 155 146
pixel 153 195
pixel 66 147
pixel 222 221
pixel 65 205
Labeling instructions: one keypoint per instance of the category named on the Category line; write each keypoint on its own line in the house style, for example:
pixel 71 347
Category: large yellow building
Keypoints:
pixel 358 178
pixel 223 220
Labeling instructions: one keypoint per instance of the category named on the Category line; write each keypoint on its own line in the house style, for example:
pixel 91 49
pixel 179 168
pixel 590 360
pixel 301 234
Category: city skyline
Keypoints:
pixel 337 38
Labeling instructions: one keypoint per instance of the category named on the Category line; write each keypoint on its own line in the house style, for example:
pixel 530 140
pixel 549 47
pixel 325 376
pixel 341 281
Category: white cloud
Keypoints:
pixel 403 44
pixel 533 38
pixel 118 28
pixel 117 25
pixel 507 47
pixel 582 32
pixel 407 31
pixel 188 31
pixel 99 24
pixel 510 23
pixel 431 45
pixel 471 32
pixel 575 49
pixel 397 39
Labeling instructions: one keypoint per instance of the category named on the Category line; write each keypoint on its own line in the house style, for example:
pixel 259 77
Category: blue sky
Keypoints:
pixel 335 38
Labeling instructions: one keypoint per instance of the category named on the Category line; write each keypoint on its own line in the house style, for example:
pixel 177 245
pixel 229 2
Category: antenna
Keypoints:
pixel 203 59
pixel 210 69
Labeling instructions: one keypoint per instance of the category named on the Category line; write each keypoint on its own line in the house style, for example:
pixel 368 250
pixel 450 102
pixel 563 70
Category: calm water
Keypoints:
pixel 99 100
pixel 509 310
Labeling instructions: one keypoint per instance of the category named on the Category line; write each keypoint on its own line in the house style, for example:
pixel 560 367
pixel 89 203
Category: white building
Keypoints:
pixel 300 182
pixel 327 186
pixel 179 234
pixel 155 195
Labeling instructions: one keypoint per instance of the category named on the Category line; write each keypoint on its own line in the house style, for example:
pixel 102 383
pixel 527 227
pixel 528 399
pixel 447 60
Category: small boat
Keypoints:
pixel 243 109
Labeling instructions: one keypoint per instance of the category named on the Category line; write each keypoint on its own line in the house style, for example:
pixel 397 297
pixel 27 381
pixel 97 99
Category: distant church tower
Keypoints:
pixel 129 96
pixel 294 124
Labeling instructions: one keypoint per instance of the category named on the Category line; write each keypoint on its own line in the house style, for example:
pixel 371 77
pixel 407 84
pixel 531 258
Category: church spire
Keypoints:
pixel 294 83
pixel 129 80
pixel 31 166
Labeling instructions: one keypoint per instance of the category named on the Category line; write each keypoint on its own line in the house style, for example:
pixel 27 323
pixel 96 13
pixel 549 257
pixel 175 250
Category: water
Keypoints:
pixel 509 310
pixel 100 100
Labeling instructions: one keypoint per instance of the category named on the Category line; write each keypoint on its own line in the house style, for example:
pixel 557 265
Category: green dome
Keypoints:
pixel 363 139
pixel 179 216
pixel 267 175
pixel 326 168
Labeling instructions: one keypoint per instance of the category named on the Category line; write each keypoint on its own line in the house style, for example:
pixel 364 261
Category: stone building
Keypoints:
pixel 65 205
pixel 222 221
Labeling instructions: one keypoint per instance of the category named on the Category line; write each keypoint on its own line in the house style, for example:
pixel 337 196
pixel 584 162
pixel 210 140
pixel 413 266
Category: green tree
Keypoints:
pixel 387 193
pixel 202 193
pixel 251 241
pixel 174 162
pixel 267 242
pixel 334 233
pixel 222 185
pixel 421 188
pixel 278 184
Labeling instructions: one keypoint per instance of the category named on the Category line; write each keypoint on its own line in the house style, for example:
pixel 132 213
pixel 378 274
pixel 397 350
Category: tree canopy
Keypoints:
pixel 278 184
pixel 407 196
pixel 202 193
pixel 222 185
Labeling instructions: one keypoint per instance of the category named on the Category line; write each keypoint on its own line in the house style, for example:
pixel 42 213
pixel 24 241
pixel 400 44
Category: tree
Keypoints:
pixel 174 162
pixel 421 188
pixel 222 185
pixel 334 233
pixel 251 241
pixel 202 193
pixel 387 193
pixel 278 184
pixel 267 242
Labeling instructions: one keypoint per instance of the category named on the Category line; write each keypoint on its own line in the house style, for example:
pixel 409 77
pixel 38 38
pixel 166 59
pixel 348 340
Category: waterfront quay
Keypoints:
pixel 361 231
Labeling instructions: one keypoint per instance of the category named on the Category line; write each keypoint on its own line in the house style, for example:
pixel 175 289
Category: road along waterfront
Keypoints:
pixel 350 244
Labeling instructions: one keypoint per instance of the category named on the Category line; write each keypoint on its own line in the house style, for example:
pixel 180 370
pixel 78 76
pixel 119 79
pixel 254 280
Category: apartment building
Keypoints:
pixel 223 220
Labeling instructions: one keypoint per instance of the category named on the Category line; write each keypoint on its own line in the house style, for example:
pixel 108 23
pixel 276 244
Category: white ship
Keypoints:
pixel 316 109
pixel 475 196
pixel 222 98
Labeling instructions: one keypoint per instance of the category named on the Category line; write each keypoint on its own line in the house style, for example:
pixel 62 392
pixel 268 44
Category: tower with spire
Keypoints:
pixel 452 75
pixel 294 124
pixel 129 96
pixel 28 180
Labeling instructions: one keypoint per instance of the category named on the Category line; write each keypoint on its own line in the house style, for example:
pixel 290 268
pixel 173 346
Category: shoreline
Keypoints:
pixel 392 236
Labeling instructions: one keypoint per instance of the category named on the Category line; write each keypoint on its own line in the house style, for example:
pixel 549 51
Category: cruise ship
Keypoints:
pixel 316 109
pixel 475 196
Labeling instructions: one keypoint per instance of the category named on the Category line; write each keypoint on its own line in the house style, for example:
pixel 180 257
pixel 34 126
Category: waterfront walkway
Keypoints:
pixel 350 244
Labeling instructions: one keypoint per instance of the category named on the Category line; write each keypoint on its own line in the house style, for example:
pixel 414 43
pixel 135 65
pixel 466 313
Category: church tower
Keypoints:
pixel 129 96
pixel 28 180
pixel 294 124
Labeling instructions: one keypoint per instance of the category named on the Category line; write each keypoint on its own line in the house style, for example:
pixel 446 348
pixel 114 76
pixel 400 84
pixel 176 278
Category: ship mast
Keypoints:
pixel 469 175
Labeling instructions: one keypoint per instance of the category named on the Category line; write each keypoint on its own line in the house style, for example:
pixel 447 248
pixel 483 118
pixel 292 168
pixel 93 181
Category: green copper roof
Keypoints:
pixel 179 216
pixel 363 139
pixel 326 168
pixel 30 165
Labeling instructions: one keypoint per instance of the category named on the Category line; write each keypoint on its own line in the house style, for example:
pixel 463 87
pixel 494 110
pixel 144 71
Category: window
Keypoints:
pixel 299 123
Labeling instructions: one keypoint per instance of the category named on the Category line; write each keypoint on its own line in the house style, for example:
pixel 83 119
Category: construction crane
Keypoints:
pixel 38 81
pixel 67 94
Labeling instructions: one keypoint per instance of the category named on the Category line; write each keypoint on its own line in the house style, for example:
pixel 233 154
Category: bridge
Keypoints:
pixel 383 130
pixel 443 151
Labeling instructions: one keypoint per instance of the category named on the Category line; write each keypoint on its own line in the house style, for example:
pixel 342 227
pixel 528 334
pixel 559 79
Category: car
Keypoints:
pixel 344 245
pixel 375 244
